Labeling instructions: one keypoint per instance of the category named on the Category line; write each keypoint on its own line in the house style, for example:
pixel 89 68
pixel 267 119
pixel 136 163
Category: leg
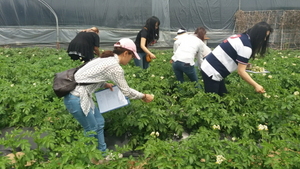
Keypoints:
pixel 211 86
pixel 91 122
pixel 177 68
pixel 100 129
pixel 190 72
pixel 222 88
pixel 142 62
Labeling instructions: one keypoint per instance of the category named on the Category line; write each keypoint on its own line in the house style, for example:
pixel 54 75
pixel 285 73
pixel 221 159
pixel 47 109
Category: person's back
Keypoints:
pixel 82 46
pixel 189 46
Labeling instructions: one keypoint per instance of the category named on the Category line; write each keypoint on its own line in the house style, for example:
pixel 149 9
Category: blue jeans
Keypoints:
pixel 91 122
pixel 142 62
pixel 180 67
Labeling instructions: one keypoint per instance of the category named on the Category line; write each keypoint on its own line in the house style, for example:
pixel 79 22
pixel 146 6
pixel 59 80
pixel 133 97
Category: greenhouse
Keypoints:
pixel 181 125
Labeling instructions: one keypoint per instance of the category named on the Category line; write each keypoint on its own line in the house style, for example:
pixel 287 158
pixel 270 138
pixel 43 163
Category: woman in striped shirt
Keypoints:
pixel 233 54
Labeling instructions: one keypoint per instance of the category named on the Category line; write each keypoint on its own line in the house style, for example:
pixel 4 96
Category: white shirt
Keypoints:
pixel 98 71
pixel 189 47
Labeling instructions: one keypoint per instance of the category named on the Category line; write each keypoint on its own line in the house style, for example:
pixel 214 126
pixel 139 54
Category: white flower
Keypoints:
pixel 264 74
pixel 6 56
pixel 152 75
pixel 34 84
pixel 102 50
pixel 265 63
pixel 270 76
pixel 1 53
pixel 164 60
pixel 33 55
pixel 157 134
pixel 12 85
pixel 296 93
pixel 216 127
pixel 134 75
pixel 161 77
pixel 233 138
pixel 20 52
pixel 220 159
pixel 293 64
pixel 274 58
pixel 262 127
pixel 59 58
pixel 266 95
pixel 293 73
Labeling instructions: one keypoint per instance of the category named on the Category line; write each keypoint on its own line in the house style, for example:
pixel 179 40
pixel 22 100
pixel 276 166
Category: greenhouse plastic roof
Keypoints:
pixel 58 21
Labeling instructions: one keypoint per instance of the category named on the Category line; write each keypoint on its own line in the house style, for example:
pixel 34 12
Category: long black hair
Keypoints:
pixel 153 34
pixel 259 38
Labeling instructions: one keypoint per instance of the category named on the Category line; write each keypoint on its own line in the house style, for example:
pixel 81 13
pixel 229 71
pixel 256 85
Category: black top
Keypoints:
pixel 142 34
pixel 83 45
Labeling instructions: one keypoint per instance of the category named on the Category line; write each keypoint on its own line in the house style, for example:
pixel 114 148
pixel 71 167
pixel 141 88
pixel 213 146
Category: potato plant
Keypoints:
pixel 242 129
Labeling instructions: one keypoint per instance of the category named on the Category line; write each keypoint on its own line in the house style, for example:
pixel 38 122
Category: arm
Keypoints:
pixel 145 49
pixel 117 76
pixel 199 54
pixel 96 50
pixel 245 76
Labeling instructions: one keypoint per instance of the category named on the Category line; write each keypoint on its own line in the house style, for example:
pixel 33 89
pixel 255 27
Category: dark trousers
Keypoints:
pixel 212 86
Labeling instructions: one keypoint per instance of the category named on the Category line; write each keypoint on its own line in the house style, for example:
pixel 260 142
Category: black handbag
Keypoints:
pixel 64 82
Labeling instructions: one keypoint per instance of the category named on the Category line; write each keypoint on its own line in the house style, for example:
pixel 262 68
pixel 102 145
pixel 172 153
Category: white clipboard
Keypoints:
pixel 109 100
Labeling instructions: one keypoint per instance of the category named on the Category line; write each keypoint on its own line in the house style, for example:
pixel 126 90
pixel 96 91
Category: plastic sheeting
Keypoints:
pixel 57 21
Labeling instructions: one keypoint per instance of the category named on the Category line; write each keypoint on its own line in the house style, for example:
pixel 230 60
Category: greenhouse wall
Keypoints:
pixel 56 22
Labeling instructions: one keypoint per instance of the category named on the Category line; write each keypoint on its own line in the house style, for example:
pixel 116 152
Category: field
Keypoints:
pixel 243 129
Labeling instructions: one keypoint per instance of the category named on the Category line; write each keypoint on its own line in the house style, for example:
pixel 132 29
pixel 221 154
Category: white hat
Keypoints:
pixel 127 43
pixel 181 31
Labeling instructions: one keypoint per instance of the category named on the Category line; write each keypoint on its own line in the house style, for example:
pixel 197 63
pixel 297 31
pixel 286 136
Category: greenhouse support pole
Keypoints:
pixel 56 20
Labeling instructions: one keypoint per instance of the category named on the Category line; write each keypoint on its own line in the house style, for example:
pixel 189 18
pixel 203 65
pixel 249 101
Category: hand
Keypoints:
pixel 152 56
pixel 171 61
pixel 109 85
pixel 148 98
pixel 259 89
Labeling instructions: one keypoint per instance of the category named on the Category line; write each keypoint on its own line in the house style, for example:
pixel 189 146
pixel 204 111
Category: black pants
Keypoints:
pixel 81 58
pixel 212 86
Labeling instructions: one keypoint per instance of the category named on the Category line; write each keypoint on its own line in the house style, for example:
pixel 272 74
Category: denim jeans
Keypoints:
pixel 180 67
pixel 142 62
pixel 91 122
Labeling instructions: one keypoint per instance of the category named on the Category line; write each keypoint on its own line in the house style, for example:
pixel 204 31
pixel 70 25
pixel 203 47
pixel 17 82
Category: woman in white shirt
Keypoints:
pixel 186 49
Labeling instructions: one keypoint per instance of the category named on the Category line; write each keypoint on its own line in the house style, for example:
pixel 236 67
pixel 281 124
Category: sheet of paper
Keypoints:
pixel 109 100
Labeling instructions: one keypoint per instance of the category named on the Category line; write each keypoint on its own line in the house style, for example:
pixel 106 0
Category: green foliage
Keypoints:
pixel 224 131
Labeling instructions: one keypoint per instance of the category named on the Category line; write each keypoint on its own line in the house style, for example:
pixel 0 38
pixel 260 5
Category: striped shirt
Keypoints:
pixel 224 59
pixel 98 71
